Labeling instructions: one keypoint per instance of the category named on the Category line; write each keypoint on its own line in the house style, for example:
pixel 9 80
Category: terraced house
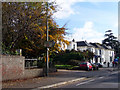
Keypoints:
pixel 102 54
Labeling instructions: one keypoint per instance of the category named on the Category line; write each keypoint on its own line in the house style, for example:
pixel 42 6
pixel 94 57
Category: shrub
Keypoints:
pixel 63 66
pixel 68 57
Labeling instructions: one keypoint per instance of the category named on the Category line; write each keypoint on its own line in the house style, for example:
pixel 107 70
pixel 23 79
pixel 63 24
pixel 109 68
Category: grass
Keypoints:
pixel 70 67
pixel 63 66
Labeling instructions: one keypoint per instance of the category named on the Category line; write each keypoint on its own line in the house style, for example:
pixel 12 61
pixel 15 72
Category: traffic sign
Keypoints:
pixel 49 44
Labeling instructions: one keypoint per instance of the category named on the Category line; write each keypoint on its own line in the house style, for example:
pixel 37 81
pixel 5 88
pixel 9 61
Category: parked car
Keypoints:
pixel 95 67
pixel 99 65
pixel 86 66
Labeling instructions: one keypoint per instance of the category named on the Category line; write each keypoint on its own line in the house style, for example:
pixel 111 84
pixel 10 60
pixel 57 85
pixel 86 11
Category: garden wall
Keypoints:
pixel 13 68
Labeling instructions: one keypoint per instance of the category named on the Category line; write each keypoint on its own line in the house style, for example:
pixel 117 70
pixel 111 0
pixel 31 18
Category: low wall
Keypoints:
pixel 29 73
pixel 13 68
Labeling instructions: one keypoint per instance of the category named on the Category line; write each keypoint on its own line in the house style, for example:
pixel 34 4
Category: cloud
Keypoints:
pixel 87 33
pixel 65 8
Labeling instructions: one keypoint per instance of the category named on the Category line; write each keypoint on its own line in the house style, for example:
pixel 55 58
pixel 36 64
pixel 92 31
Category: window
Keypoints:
pixel 110 59
pixel 100 60
pixel 74 46
pixel 100 52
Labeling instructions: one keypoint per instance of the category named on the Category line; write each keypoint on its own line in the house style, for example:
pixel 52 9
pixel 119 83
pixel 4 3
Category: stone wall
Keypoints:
pixel 30 73
pixel 13 68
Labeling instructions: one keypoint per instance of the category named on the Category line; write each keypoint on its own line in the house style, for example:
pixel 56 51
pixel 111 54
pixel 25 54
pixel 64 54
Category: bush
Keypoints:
pixel 40 64
pixel 70 57
pixel 65 57
pixel 74 62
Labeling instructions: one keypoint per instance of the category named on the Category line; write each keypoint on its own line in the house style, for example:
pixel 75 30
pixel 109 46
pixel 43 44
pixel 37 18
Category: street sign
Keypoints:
pixel 116 60
pixel 49 44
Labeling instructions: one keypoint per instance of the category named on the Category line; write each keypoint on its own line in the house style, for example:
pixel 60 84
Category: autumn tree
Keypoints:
pixel 24 27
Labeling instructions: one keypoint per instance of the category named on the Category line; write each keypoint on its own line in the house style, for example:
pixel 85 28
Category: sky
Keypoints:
pixel 87 19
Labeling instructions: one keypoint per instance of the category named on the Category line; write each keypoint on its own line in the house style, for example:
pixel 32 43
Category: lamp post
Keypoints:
pixel 48 43
pixel 47 56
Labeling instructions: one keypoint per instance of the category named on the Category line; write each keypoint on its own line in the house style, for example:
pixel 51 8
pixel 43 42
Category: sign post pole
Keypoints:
pixel 47 56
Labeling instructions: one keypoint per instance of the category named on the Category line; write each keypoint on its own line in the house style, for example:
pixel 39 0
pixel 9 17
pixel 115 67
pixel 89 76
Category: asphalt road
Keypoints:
pixel 109 80
pixel 94 79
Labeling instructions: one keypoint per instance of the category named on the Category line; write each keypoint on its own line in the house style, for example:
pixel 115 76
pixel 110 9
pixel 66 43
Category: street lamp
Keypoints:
pixel 47 56
pixel 47 44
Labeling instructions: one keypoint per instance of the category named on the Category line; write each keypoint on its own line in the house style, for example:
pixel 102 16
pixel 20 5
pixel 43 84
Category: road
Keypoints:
pixel 104 77
pixel 109 80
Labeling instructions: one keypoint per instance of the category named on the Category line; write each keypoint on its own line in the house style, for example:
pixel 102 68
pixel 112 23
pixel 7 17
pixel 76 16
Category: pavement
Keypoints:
pixel 56 79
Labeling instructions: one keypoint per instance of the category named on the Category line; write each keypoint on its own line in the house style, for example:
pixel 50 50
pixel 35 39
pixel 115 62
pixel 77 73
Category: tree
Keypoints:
pixel 69 56
pixel 24 27
pixel 111 41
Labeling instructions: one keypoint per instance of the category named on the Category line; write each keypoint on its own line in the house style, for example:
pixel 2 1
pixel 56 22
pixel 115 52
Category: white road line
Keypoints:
pixel 114 72
pixel 101 77
pixel 58 84
pixel 85 82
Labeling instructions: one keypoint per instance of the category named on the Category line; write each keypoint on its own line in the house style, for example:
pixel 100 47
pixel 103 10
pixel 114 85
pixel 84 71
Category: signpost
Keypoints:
pixel 48 43
pixel 47 63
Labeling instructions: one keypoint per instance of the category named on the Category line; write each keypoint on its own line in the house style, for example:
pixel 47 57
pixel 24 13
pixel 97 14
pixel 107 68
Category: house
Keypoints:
pixel 109 56
pixel 102 54
pixel 83 45
pixel 99 53
pixel 72 45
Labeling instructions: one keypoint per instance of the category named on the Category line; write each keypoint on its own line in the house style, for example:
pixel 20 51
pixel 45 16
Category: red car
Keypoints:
pixel 86 66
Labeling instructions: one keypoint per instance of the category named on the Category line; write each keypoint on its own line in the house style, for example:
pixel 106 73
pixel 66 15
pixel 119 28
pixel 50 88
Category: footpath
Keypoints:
pixel 55 79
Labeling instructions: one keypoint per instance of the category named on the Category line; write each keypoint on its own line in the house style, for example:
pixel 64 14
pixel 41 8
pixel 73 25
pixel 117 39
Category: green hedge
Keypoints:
pixel 63 66
pixel 68 67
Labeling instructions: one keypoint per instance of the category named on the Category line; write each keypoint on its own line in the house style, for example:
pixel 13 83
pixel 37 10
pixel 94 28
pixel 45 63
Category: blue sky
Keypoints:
pixel 87 20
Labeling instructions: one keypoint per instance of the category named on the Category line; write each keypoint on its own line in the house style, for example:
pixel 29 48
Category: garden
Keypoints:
pixel 70 59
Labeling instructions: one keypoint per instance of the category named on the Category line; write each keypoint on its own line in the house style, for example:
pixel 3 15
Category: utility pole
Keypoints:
pixel 47 56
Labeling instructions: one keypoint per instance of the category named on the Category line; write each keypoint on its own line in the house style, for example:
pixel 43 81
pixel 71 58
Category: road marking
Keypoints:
pixel 114 72
pixel 72 70
pixel 58 84
pixel 85 82
pixel 101 77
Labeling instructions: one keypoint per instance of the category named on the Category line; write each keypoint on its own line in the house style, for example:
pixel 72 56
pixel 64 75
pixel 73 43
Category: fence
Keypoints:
pixel 33 63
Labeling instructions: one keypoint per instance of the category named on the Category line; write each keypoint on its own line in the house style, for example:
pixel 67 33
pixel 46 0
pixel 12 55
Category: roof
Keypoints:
pixel 96 45
pixel 100 46
pixel 83 43
pixel 106 47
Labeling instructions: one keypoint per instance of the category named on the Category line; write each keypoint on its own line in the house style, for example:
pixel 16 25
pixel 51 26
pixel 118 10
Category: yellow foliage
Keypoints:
pixel 35 26
pixel 28 49
pixel 30 16
pixel 39 36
